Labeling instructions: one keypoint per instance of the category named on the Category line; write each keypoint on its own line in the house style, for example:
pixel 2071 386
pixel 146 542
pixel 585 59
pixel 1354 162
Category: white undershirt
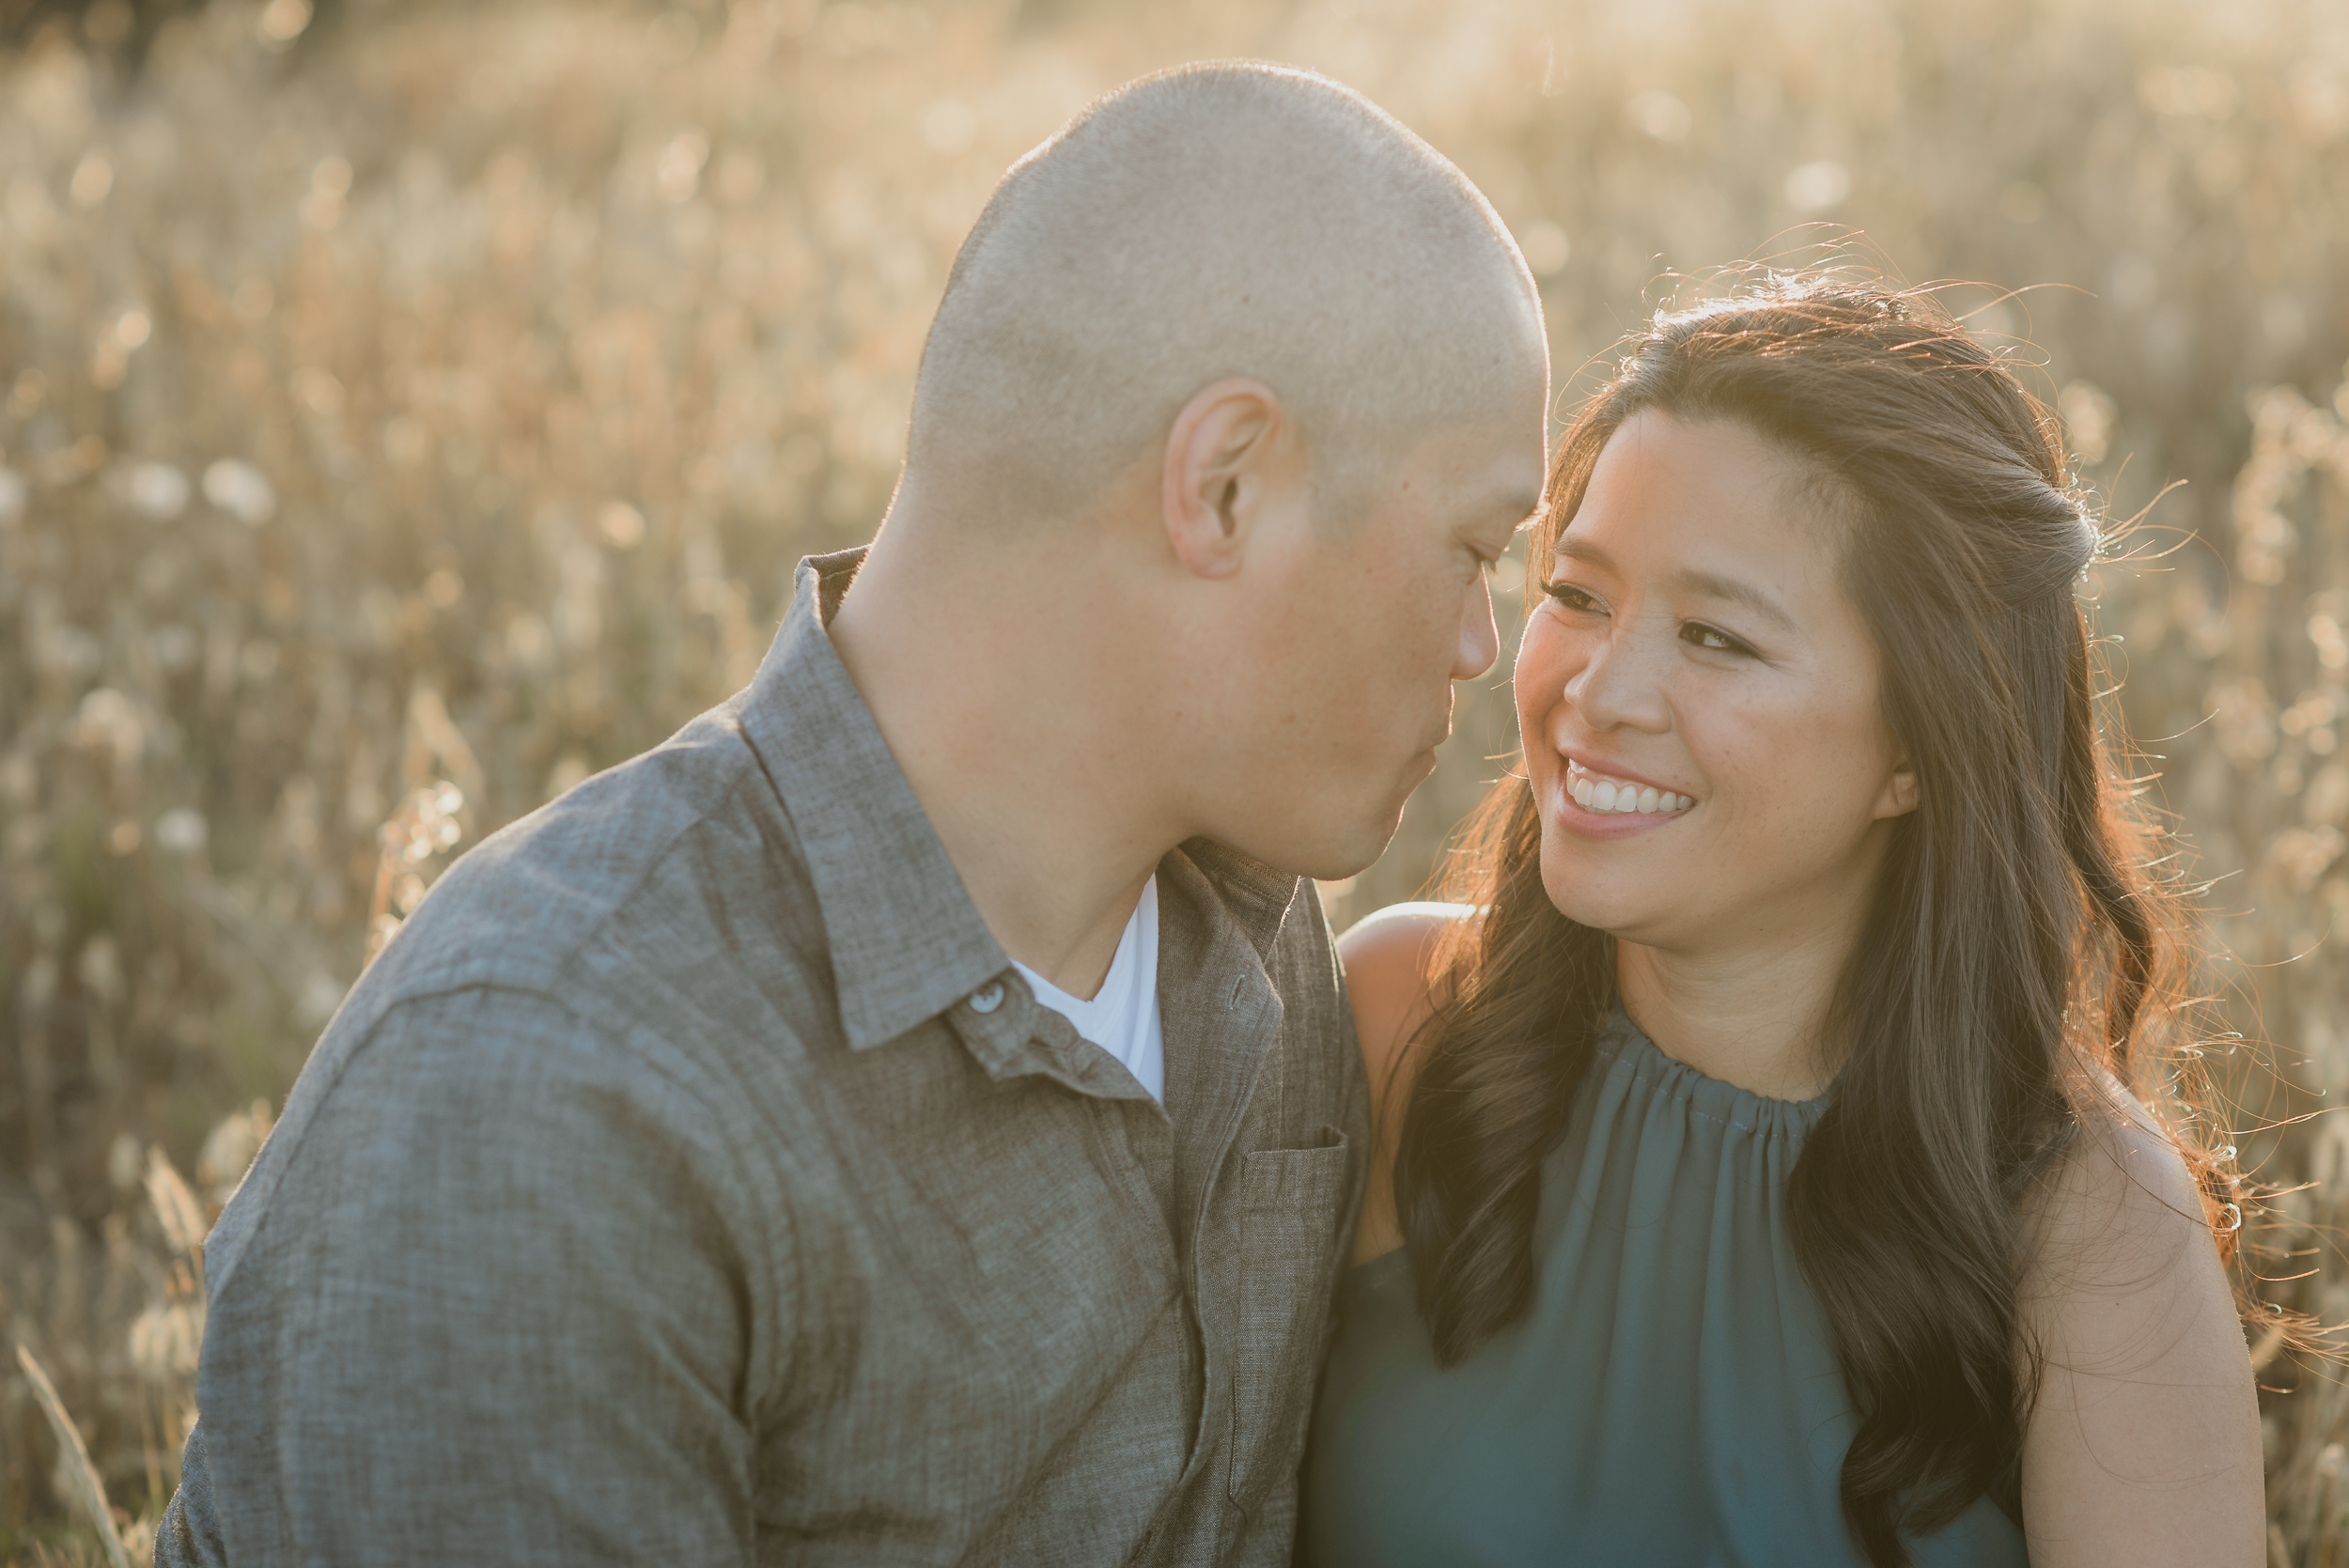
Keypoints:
pixel 1123 1017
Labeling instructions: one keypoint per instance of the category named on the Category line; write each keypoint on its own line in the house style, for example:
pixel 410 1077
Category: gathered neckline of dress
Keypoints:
pixel 1624 1047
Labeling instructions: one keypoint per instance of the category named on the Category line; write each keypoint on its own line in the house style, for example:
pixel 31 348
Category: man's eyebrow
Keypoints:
pixel 1711 585
pixel 1521 509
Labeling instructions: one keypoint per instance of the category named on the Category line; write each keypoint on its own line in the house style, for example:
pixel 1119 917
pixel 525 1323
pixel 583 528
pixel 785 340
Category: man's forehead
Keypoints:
pixel 1500 454
pixel 1486 483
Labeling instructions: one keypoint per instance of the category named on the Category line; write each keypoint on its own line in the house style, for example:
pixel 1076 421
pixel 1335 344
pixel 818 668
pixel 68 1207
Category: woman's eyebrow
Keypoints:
pixel 1736 591
pixel 1585 551
pixel 1711 585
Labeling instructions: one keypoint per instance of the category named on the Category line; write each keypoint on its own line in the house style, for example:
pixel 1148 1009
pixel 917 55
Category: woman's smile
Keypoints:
pixel 1603 790
pixel 1604 801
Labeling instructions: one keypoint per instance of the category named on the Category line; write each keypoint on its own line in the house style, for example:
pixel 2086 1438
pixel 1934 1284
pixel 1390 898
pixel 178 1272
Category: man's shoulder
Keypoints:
pixel 664 841
pixel 617 936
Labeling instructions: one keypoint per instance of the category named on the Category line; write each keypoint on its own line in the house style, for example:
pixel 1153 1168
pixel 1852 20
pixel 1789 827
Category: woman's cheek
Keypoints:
pixel 1535 692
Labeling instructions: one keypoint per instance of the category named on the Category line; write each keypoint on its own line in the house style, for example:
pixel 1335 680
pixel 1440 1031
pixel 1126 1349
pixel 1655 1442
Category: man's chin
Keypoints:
pixel 1328 857
pixel 1340 839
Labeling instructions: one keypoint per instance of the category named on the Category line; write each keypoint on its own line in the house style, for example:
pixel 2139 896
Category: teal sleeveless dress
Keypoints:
pixel 1670 1398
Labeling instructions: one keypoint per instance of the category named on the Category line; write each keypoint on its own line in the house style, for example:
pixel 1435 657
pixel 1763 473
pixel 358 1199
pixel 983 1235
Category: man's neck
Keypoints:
pixel 1024 731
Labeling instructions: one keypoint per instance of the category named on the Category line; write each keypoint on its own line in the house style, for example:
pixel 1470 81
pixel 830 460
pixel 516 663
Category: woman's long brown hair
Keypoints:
pixel 2016 940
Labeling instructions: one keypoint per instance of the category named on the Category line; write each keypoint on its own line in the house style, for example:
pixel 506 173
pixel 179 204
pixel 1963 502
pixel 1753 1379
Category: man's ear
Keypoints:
pixel 1226 448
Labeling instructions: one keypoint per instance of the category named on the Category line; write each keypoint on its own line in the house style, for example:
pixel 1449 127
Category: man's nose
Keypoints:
pixel 1480 639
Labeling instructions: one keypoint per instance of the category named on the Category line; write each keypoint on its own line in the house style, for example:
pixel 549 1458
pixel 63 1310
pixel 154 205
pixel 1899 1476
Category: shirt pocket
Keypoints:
pixel 1291 1202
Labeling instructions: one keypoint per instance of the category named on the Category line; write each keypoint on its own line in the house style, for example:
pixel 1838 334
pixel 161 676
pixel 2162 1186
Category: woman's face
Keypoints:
pixel 1697 661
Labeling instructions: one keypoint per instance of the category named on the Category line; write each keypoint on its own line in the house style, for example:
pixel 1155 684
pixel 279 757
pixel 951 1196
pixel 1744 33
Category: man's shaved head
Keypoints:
pixel 1217 221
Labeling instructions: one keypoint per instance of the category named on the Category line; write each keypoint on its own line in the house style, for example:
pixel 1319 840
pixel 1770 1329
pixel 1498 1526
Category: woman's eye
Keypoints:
pixel 1712 638
pixel 1570 596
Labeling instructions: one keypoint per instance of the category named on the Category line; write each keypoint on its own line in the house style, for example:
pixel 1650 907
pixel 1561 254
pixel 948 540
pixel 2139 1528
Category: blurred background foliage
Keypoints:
pixel 408 410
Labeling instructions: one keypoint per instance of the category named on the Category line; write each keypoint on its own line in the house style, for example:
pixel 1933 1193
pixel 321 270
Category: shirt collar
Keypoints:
pixel 1258 896
pixel 906 940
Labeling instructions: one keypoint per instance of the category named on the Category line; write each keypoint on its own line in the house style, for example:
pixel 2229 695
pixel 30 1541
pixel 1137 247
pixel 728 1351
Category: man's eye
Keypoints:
pixel 1713 638
pixel 1571 597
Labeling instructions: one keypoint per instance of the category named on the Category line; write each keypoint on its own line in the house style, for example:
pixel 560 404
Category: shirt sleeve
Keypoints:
pixel 499 1309
pixel 189 1536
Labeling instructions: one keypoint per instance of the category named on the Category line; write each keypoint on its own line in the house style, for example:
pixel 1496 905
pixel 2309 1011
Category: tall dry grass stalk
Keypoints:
pixel 81 1475
pixel 425 825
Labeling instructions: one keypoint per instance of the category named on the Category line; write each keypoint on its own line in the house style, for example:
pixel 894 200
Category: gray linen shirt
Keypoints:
pixel 693 1180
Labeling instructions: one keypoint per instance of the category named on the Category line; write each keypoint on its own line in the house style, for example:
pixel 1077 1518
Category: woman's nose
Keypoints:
pixel 1616 688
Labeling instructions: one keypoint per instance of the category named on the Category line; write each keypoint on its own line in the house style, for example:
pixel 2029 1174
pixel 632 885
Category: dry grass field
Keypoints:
pixel 406 410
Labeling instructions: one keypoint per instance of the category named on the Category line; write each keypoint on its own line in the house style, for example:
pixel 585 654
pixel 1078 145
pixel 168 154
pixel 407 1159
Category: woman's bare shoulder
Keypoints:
pixel 2119 1206
pixel 1389 958
pixel 2144 1437
pixel 1389 962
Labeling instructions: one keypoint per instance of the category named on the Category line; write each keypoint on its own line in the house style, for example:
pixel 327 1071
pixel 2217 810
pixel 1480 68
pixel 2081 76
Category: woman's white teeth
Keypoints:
pixel 1606 795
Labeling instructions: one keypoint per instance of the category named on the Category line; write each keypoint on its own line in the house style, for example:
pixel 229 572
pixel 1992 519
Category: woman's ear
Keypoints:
pixel 1899 796
pixel 1219 456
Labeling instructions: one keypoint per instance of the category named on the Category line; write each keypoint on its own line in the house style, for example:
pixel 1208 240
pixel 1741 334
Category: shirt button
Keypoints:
pixel 987 998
